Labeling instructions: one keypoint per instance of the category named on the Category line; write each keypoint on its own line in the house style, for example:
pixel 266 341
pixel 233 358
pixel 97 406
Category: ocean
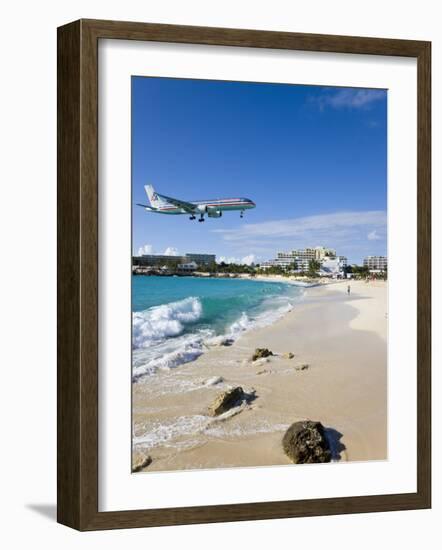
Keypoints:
pixel 175 319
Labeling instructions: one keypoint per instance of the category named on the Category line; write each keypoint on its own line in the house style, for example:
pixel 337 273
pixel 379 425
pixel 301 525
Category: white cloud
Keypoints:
pixel 249 259
pixel 374 236
pixel 349 98
pixel 145 249
pixel 303 227
pixel 148 249
pixel 227 260
pixel 246 260
pixel 344 231
pixel 171 251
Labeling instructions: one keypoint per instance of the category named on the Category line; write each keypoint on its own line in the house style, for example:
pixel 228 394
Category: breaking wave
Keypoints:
pixel 169 355
pixel 167 336
pixel 157 323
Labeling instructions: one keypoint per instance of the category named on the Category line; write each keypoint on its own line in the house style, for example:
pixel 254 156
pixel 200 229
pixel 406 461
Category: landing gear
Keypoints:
pixel 192 217
pixel 201 218
pixel 242 214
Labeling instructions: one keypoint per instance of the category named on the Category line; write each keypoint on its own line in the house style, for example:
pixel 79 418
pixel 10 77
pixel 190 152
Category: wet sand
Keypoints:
pixel 343 341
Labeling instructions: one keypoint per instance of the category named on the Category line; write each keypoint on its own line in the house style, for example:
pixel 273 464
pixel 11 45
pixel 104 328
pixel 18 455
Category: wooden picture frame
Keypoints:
pixel 78 274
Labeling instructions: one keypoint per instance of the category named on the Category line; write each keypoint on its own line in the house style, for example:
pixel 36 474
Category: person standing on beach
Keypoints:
pixel 348 289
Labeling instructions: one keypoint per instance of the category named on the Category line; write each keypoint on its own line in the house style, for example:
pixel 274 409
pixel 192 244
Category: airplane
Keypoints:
pixel 161 204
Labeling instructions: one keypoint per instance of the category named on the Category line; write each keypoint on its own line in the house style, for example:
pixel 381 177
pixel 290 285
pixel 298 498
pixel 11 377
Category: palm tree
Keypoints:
pixel 313 267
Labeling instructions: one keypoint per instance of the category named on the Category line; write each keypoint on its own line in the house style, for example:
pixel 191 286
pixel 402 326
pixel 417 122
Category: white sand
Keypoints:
pixel 343 340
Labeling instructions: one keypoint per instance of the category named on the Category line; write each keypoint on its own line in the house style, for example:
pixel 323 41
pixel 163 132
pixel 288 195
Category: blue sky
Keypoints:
pixel 312 158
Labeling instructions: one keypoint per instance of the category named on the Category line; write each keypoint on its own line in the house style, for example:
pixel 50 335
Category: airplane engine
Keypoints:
pixel 215 214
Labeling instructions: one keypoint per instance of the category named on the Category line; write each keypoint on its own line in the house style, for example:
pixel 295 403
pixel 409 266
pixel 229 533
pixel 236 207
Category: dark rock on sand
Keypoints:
pixel 261 353
pixel 302 367
pixel 140 461
pixel 305 443
pixel 229 399
pixel 289 355
pixel 227 342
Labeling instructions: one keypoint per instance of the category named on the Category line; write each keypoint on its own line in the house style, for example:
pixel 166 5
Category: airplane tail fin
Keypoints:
pixel 154 199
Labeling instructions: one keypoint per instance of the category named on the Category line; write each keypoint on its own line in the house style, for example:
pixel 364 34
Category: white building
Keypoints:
pixel 378 263
pixel 302 258
pixel 321 253
pixel 201 259
pixel 332 267
pixel 190 266
pixel 271 263
pixel 168 259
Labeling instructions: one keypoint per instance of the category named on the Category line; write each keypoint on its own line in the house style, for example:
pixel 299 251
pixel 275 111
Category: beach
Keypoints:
pixel 337 375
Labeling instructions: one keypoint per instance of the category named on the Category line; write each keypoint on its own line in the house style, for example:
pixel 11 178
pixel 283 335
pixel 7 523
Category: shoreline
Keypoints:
pixel 289 279
pixel 341 338
pixel 199 343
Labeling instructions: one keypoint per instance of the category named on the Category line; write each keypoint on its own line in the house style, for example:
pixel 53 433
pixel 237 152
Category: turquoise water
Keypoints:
pixel 176 318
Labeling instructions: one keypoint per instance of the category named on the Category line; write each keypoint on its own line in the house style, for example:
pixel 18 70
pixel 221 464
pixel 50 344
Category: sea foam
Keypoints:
pixel 194 430
pixel 158 323
pixel 163 338
pixel 169 355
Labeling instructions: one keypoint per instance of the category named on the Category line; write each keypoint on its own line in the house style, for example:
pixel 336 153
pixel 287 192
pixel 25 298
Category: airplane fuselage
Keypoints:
pixel 210 207
pixel 163 204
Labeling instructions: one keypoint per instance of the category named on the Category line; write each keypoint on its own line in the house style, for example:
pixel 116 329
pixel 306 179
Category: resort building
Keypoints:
pixel 378 263
pixel 302 258
pixel 161 260
pixel 201 259
pixel 272 263
pixel 333 267
pixel 191 266
pixel 156 260
pixel 321 253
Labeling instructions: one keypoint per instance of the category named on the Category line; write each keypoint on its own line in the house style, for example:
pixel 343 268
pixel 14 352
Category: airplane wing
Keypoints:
pixel 187 206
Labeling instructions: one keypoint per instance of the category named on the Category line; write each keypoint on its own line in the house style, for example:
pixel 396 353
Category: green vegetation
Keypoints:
pixel 223 267
pixel 273 270
pixel 313 267
pixel 358 271
pixel 172 265
pixel 362 272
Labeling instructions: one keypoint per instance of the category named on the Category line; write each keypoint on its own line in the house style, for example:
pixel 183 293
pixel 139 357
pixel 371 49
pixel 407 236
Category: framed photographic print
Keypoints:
pixel 243 274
